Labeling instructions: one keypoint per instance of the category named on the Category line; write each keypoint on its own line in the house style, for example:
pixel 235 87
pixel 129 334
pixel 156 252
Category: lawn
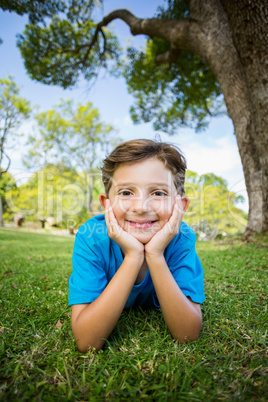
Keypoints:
pixel 141 361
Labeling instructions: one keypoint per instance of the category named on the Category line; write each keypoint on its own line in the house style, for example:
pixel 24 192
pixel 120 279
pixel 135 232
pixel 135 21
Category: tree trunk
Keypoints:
pixel 238 59
pixel 90 186
pixel 249 21
pixel 1 211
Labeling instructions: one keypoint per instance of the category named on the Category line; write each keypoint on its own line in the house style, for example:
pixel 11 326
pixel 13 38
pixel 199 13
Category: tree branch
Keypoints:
pixel 179 33
pixel 168 57
pixel 9 161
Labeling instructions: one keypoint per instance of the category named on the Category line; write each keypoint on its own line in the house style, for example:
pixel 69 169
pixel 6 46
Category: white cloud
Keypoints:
pixel 221 158
pixel 122 122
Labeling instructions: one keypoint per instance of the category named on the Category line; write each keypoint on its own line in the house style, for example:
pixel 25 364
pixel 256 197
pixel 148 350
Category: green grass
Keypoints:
pixel 141 361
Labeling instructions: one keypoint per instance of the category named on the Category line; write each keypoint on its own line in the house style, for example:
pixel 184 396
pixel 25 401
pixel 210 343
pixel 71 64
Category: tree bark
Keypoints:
pixel 1 212
pixel 231 38
pixel 237 52
pixel 249 25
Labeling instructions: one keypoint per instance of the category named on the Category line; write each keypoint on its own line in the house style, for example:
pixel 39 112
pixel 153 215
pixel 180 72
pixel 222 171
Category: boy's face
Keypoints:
pixel 142 197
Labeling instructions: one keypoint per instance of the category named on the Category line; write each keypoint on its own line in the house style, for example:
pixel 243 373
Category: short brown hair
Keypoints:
pixel 134 151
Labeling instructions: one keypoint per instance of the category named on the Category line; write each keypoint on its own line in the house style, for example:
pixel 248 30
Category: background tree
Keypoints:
pixel 7 185
pixel 196 50
pixel 213 210
pixel 75 137
pixel 13 110
pixel 56 191
pixel 39 10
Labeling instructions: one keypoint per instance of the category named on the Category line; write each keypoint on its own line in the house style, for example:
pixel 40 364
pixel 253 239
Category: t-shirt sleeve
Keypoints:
pixel 89 277
pixel 186 267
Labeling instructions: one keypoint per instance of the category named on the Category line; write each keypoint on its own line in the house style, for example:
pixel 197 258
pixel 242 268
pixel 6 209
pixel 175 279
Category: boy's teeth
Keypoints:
pixel 141 223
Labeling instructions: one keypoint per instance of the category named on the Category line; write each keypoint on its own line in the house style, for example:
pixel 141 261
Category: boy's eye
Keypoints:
pixel 125 193
pixel 159 193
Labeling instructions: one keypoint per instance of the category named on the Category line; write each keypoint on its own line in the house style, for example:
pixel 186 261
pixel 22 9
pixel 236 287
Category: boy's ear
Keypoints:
pixel 103 197
pixel 185 202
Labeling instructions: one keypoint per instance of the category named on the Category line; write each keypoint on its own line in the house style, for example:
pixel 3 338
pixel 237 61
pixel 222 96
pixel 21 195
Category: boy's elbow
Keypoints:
pixel 181 338
pixel 85 345
pixel 190 334
pixel 189 338
pixel 81 347
pixel 86 340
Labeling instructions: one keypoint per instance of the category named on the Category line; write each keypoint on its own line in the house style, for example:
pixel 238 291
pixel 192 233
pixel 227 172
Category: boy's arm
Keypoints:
pixel 92 323
pixel 182 316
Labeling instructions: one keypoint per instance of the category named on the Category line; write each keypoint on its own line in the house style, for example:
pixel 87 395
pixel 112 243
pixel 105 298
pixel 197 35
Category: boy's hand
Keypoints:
pixel 128 243
pixel 158 243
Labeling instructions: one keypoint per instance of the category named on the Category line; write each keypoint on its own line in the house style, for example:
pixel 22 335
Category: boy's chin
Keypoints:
pixel 142 238
pixel 143 235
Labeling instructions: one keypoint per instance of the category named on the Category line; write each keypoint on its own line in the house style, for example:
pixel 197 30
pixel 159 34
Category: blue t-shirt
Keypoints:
pixel 96 258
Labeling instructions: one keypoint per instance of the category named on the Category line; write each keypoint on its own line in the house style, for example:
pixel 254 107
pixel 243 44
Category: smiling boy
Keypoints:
pixel 139 253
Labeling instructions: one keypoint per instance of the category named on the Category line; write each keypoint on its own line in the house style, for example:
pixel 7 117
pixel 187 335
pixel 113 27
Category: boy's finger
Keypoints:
pixel 108 213
pixel 107 204
pixel 110 219
pixel 107 218
pixel 111 215
pixel 177 213
pixel 180 204
pixel 175 217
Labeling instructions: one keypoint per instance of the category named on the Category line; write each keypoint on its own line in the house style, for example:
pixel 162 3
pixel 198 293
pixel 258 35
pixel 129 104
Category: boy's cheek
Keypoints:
pixel 120 206
pixel 166 209
pixel 157 227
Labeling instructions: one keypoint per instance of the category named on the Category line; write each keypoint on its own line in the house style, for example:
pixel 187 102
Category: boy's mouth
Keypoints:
pixel 141 224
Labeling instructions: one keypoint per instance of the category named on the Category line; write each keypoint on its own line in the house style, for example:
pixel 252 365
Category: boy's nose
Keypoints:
pixel 141 204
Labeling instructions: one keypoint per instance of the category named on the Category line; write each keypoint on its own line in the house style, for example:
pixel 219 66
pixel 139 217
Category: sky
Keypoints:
pixel 211 151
